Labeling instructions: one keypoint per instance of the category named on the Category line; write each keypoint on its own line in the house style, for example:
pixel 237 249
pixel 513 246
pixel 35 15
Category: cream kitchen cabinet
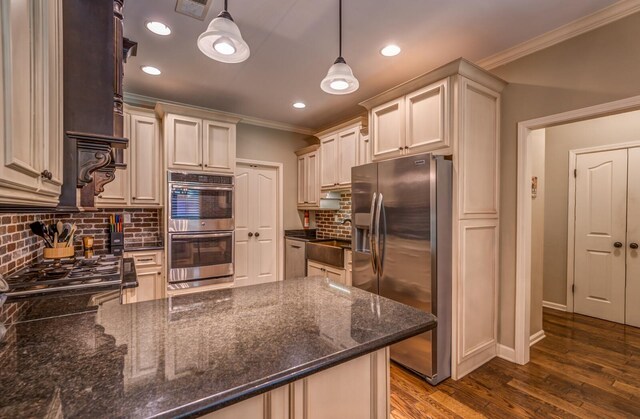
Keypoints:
pixel 364 148
pixel 151 279
pixel 414 123
pixel 140 184
pixel 339 152
pixel 455 110
pixel 308 177
pixel 327 271
pixel 198 139
pixel 348 267
pixel 31 139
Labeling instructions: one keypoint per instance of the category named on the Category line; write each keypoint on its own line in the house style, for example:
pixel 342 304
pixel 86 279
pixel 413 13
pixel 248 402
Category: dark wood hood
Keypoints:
pixel 93 104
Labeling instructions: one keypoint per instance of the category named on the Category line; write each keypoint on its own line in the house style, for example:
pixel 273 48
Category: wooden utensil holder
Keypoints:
pixel 58 252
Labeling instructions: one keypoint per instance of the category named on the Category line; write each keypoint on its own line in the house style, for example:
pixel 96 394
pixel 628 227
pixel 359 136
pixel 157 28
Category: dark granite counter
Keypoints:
pixel 191 354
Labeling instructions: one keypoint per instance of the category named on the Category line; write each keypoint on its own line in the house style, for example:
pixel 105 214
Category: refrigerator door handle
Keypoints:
pixel 379 253
pixel 372 236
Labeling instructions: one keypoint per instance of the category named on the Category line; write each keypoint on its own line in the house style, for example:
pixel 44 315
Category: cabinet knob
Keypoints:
pixel 159 273
pixel 634 246
pixel 257 234
pixel 400 148
pixel 406 147
pixel 250 234
pixel 206 165
pixel 617 245
pixel 46 175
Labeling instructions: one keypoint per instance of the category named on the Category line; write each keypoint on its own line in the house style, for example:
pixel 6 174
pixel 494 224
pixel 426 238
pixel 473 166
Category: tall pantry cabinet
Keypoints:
pixel 455 111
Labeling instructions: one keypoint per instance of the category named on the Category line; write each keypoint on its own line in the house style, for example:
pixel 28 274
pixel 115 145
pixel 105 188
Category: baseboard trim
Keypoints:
pixel 554 306
pixel 536 337
pixel 506 353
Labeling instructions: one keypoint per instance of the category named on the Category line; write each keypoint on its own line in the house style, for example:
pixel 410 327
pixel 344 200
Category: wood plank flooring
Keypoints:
pixel 585 367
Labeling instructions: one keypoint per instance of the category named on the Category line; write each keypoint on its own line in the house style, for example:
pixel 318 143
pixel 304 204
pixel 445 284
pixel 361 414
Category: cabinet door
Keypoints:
pixel 336 275
pixel 364 150
pixel 315 269
pixel 312 179
pixel 219 146
pixel 329 161
pixel 116 192
pixel 347 154
pixel 145 160
pixel 427 118
pixel 302 180
pixel 184 142
pixel 150 286
pixel 30 114
pixel 387 124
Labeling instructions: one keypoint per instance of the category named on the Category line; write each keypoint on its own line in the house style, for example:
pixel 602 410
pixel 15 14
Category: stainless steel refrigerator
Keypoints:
pixel 401 242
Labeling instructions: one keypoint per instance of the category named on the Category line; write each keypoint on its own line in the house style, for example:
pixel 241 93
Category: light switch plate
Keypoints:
pixel 127 218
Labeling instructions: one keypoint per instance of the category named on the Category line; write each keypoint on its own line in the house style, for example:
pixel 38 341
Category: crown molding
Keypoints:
pixel 150 103
pixel 585 24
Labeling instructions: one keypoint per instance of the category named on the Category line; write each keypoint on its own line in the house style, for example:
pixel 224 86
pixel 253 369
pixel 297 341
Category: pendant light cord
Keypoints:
pixel 225 5
pixel 340 24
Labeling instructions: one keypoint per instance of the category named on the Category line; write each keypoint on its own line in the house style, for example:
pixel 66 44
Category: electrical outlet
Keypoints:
pixel 336 218
pixel 127 218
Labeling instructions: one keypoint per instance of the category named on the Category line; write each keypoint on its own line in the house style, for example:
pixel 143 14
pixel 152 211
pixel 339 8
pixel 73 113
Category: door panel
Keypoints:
pixel 184 139
pixel 219 146
pixel 347 154
pixel 242 223
pixel 302 180
pixel 388 130
pixel 364 186
pixel 428 118
pixel 312 182
pixel 145 159
pixel 633 236
pixel 601 208
pixel 329 162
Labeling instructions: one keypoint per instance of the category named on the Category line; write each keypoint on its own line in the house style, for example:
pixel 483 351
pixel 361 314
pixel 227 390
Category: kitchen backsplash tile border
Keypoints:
pixel 329 223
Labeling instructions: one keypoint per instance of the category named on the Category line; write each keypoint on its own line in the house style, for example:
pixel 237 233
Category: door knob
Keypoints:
pixel 250 234
pixel 257 234
pixel 617 245
pixel 634 246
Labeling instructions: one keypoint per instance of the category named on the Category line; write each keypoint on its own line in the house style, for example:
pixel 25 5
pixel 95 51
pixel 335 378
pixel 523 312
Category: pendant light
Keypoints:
pixel 222 40
pixel 340 79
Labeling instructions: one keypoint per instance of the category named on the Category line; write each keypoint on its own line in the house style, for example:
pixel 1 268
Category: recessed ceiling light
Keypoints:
pixel 158 28
pixel 299 105
pixel 390 50
pixel 151 70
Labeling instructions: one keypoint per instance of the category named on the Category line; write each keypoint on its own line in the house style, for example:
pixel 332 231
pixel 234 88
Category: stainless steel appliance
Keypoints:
pixel 73 274
pixel 200 202
pixel 201 229
pixel 402 249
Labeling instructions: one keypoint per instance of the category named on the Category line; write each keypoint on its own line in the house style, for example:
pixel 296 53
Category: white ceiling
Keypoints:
pixel 293 43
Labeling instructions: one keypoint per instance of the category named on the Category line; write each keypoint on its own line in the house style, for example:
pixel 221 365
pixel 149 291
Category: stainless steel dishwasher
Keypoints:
pixel 295 258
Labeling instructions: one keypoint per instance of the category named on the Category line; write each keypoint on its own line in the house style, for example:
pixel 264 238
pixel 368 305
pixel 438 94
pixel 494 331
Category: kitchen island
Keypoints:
pixel 272 350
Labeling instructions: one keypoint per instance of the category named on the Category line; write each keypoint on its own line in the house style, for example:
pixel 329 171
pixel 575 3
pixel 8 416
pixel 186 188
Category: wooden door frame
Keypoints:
pixel 523 216
pixel 280 209
pixel 571 237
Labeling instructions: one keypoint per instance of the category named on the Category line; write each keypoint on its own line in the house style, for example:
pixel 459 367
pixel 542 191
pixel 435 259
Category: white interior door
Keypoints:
pixel 257 251
pixel 600 234
pixel 633 240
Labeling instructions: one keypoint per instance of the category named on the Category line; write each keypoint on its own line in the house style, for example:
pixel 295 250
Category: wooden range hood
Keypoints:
pixel 94 51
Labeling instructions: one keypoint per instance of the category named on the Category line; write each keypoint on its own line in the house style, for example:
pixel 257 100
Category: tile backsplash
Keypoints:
pixel 20 247
pixel 329 226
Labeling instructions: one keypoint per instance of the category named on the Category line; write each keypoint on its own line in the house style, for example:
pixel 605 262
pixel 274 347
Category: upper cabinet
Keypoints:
pixel 31 140
pixel 414 123
pixel 340 150
pixel 140 183
pixel 198 140
pixel 309 177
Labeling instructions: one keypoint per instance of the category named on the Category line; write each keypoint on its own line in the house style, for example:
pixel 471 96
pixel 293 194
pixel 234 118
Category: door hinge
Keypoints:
pixel 575 172
pixel 573 288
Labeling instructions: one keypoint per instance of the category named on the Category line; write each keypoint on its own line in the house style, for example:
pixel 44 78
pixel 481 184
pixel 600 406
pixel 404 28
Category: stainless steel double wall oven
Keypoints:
pixel 201 229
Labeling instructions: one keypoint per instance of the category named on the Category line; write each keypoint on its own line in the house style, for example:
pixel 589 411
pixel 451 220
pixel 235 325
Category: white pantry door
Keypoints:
pixel 633 239
pixel 600 235
pixel 256 225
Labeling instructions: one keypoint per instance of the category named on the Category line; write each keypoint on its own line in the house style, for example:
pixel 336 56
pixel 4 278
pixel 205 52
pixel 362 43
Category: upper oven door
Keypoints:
pixel 200 208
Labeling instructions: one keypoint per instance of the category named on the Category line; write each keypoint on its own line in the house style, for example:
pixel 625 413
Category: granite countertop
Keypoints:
pixel 192 354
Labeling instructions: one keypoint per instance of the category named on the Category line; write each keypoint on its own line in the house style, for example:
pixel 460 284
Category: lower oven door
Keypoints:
pixel 198 256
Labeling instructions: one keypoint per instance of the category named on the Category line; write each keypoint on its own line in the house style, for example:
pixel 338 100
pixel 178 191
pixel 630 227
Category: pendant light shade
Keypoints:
pixel 222 40
pixel 340 79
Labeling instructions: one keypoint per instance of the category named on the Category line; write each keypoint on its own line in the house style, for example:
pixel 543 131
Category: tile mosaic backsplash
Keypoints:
pixel 329 223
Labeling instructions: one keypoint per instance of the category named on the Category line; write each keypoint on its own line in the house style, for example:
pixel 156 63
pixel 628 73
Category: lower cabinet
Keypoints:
pixel 327 271
pixel 348 266
pixel 358 389
pixel 151 278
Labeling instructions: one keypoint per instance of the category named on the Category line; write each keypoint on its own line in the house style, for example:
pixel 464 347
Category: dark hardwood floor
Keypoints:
pixel 585 367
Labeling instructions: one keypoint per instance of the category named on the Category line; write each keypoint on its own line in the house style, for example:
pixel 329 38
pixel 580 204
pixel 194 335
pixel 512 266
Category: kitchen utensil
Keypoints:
pixel 51 231
pixel 59 227
pixel 39 229
pixel 71 234
pixel 55 240
pixel 66 230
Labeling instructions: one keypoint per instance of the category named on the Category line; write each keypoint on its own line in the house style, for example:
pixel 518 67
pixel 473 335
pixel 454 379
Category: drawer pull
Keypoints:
pixel 145 260
pixel 295 247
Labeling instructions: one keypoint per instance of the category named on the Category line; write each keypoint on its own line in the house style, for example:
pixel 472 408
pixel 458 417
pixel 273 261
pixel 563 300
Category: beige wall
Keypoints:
pixel 597 67
pixel 537 229
pixel 265 144
pixel 615 129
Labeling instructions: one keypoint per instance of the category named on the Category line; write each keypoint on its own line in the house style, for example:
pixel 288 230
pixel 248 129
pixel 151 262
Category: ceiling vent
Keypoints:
pixel 196 9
